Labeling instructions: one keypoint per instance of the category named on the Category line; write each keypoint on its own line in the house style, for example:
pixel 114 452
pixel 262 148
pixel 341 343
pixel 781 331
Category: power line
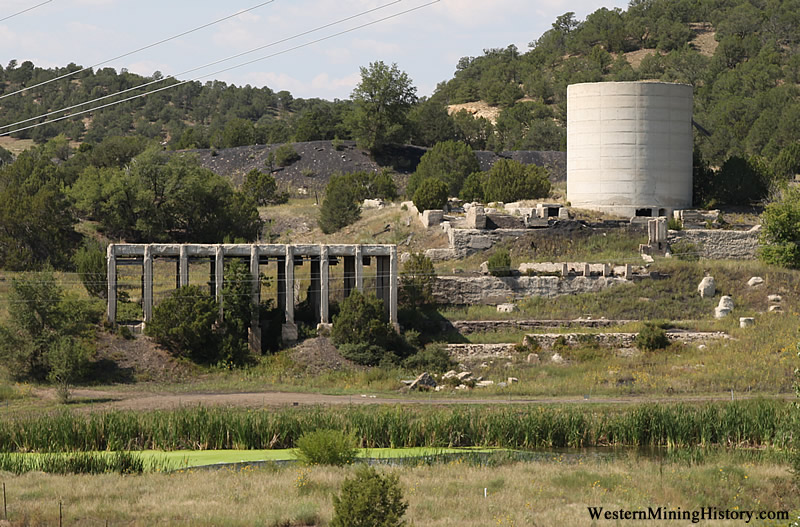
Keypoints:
pixel 136 50
pixel 226 69
pixel 325 26
pixel 25 10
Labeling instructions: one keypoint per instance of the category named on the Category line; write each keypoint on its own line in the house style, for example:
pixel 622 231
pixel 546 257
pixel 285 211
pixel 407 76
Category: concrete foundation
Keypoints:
pixel 286 257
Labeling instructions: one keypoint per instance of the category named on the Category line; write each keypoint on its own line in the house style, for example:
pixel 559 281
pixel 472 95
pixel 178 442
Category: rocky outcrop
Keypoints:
pixel 476 326
pixel 492 290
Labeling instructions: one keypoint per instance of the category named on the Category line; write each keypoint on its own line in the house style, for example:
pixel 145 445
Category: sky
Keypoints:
pixel 426 43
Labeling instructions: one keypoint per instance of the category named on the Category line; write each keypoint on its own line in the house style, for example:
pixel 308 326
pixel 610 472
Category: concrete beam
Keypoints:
pixel 289 329
pixel 393 276
pixel 219 278
pixel 255 291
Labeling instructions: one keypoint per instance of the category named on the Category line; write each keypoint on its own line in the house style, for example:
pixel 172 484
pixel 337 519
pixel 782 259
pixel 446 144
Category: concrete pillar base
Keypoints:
pixel 289 333
pixel 254 339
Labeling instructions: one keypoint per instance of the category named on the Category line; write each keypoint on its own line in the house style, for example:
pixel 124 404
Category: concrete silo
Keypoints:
pixel 629 147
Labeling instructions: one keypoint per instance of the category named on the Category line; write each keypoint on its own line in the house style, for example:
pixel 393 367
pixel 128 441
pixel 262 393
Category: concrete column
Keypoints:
pixel 289 329
pixel 587 270
pixel 184 266
pixel 628 271
pixel 111 260
pixel 219 278
pixel 147 275
pixel 393 277
pixel 349 274
pixel 324 296
pixel 359 269
pixel 382 281
pixel 565 270
pixel 607 271
pixel 255 289
pixel 315 289
pixel 281 282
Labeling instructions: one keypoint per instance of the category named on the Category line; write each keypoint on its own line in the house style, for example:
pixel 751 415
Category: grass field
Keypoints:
pixel 547 493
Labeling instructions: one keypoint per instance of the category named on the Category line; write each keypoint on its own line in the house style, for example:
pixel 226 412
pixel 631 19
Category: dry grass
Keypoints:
pixel 16 146
pixel 555 492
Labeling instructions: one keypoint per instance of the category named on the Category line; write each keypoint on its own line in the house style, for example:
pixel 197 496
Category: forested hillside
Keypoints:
pixel 742 56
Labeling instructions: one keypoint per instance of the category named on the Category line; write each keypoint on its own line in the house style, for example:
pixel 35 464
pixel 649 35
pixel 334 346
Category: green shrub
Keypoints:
pixel 369 499
pixel 510 180
pixel 430 195
pixel 500 263
pixel 434 358
pixel 285 155
pixel 326 447
pixel 473 187
pixel 341 205
pixel 448 161
pixel 183 323
pixel 674 224
pixel 263 188
pixel 652 337
pixel 780 236
pixel 90 263
pixel 337 144
pixel 361 330
pixel 416 282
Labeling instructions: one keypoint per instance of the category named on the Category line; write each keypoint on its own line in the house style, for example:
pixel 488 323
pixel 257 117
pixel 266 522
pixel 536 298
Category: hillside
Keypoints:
pixel 742 58
pixel 320 159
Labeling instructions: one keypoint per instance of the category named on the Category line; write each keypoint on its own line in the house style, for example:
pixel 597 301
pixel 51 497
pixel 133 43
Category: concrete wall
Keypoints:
pixel 629 146
pixel 716 244
pixel 492 290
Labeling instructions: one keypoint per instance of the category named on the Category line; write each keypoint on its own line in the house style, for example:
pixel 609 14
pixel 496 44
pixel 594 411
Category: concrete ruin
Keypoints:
pixel 287 257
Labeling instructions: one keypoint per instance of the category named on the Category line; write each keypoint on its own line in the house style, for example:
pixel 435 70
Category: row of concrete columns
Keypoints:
pixel 286 256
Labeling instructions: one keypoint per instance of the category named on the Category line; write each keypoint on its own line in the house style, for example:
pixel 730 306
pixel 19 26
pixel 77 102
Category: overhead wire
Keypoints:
pixel 70 74
pixel 334 35
pixel 214 63
pixel 24 11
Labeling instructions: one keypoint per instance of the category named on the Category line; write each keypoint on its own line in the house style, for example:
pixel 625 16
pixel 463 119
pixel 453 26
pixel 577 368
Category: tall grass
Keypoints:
pixel 72 463
pixel 748 423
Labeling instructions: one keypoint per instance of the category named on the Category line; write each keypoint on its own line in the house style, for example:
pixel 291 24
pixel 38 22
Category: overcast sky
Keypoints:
pixel 426 43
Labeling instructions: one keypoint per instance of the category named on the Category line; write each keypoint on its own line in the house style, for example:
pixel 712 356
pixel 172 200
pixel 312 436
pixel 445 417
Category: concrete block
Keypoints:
pixel 476 218
pixel 746 322
pixel 755 281
pixel 430 218
pixel 289 333
pixel 506 308
pixel 480 242
pixel 707 287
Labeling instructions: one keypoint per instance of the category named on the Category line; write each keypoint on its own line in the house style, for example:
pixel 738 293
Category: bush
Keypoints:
pixel 510 180
pixel 685 250
pixel 430 195
pixel 326 447
pixel 341 206
pixel 674 224
pixel 68 362
pixel 361 330
pixel 263 188
pixel 416 282
pixel 183 323
pixel 285 155
pixel 369 500
pixel 90 263
pixel 473 187
pixel 434 358
pixel 450 162
pixel 500 263
pixel 652 337
pixel 780 235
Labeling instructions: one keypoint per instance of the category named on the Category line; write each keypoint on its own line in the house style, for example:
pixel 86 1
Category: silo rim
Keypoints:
pixel 633 82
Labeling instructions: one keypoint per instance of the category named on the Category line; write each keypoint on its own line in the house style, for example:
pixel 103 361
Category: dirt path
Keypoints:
pixel 93 400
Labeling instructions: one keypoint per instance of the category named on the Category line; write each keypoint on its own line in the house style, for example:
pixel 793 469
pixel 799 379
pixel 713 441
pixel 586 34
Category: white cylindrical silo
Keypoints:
pixel 629 147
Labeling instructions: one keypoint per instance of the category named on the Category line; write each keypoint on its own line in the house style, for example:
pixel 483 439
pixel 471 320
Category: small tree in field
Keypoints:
pixel 361 330
pixel 340 207
pixel 430 195
pixel 263 188
pixel 68 360
pixel 416 281
pixel 780 235
pixel 184 324
pixel 369 499
pixel 510 180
